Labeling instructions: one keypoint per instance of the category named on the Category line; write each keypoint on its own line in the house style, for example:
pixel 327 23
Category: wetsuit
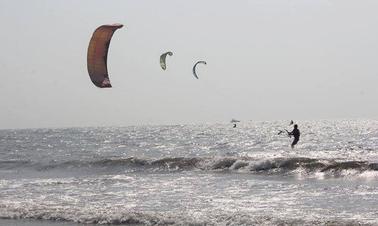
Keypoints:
pixel 296 135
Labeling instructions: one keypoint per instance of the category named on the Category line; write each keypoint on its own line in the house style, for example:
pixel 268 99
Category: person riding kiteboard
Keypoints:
pixel 296 134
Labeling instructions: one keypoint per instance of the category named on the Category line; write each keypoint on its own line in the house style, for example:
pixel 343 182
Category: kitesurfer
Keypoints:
pixel 295 133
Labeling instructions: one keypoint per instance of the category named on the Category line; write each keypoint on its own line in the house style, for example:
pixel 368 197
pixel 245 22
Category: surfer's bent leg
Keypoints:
pixel 295 141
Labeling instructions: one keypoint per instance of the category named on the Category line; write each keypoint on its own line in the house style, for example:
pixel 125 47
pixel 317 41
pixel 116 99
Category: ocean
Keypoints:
pixel 200 174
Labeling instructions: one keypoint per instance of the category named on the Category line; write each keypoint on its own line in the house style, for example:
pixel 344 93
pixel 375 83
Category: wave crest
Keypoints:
pixel 231 164
pixel 114 216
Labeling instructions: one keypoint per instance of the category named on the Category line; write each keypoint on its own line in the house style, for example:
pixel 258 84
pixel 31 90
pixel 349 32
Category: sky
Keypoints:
pixel 266 60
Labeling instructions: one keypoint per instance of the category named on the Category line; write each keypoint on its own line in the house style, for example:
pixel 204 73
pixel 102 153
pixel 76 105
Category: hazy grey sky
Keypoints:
pixel 267 60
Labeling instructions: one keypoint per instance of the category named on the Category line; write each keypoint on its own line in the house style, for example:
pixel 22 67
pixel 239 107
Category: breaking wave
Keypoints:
pixel 228 164
pixel 95 215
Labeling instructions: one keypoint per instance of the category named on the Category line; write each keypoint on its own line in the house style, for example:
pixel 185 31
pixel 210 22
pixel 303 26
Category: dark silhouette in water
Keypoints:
pixel 296 134
pixel 234 125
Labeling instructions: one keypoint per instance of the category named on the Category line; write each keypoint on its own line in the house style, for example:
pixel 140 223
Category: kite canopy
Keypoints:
pixel 162 59
pixel 194 68
pixel 98 54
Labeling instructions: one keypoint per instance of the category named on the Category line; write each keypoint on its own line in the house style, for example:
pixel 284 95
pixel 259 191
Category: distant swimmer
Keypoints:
pixel 295 133
pixel 234 125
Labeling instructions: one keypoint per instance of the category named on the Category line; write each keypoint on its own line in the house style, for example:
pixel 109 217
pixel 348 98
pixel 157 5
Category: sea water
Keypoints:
pixel 203 174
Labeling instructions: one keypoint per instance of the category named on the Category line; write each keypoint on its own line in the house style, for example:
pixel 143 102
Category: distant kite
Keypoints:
pixel 98 54
pixel 162 59
pixel 194 68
